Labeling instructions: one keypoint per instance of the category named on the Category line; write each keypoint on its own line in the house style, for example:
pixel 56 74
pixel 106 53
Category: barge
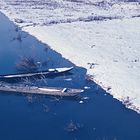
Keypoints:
pixel 54 91
pixel 49 72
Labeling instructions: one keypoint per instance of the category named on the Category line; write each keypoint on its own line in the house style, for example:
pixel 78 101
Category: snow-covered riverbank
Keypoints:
pixel 112 47
pixel 104 35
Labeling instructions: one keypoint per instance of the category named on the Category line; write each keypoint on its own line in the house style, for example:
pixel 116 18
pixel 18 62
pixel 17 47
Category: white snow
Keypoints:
pixel 112 45
pixel 108 49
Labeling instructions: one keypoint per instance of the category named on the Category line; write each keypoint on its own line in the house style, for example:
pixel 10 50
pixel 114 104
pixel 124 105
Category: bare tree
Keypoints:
pixel 26 64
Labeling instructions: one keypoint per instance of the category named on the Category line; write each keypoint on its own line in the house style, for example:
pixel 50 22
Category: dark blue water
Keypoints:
pixel 99 117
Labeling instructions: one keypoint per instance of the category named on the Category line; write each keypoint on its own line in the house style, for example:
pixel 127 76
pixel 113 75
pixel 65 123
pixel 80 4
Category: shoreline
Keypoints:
pixel 106 73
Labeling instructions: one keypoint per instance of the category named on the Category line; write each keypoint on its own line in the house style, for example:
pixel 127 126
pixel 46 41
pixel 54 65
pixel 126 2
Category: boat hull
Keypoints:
pixel 39 74
pixel 53 91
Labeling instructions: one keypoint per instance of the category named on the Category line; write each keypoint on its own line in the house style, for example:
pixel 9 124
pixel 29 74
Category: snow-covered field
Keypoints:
pixel 102 36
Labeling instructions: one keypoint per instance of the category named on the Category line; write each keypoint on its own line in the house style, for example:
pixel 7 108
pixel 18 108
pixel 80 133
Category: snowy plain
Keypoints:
pixel 102 36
